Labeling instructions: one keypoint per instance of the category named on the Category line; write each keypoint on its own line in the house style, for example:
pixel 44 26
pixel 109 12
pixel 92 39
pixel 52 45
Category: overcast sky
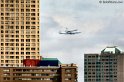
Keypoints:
pixel 101 25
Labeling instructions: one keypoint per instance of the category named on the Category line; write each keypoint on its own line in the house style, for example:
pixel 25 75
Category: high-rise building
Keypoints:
pixel 108 66
pixel 19 47
pixel 19 31
pixel 63 73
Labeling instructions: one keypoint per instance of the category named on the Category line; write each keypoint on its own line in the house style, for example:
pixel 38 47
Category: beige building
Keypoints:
pixel 63 73
pixel 108 66
pixel 19 31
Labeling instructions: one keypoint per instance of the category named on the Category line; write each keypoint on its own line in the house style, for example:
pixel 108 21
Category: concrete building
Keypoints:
pixel 19 43
pixel 63 73
pixel 19 31
pixel 108 66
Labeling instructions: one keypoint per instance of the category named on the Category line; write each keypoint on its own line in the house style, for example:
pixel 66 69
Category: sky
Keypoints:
pixel 100 24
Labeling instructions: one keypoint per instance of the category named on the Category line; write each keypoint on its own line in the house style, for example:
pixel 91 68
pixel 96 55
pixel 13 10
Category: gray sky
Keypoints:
pixel 101 25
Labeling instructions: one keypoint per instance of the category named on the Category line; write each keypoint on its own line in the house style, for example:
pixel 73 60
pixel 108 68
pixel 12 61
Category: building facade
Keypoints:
pixel 19 31
pixel 63 73
pixel 19 41
pixel 108 66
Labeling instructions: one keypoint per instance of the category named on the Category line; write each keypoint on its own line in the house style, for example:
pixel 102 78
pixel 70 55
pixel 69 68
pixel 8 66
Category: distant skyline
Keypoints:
pixel 101 25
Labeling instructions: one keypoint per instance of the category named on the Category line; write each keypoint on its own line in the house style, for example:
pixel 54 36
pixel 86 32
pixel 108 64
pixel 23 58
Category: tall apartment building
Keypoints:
pixel 108 66
pixel 19 31
pixel 64 73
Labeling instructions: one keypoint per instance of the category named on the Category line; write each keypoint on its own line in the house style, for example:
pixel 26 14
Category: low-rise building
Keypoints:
pixel 62 73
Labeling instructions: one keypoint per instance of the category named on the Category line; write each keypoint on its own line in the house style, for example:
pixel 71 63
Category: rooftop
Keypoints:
pixel 51 59
pixel 112 50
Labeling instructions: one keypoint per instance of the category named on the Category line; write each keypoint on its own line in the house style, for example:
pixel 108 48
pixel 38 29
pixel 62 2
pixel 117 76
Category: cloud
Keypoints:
pixel 101 25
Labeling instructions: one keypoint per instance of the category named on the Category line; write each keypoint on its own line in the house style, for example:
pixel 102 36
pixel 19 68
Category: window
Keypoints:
pixel 22 18
pixel 11 52
pixel 17 40
pixel 17 61
pixel 1 27
pixel 22 40
pixel 32 5
pixel 22 27
pixel 32 1
pixel 27 40
pixel 27 49
pixel 22 1
pixel 27 10
pixel 27 14
pixel 33 31
pixel 17 5
pixel 7 57
pixel 27 32
pixel 22 22
pixel 67 78
pixel 2 53
pixel 2 44
pixel 27 1
pixel 2 61
pixel 22 44
pixel 27 53
pixel 2 31
pixel 33 57
pixel 27 22
pixel 22 5
pixel 32 48
pixel 2 48
pixel 2 1
pixel 2 57
pixel 17 14
pixel 6 70
pixel 2 9
pixel 27 18
pixel 17 44
pixel 32 10
pixel 33 40
pixel 22 57
pixel 11 5
pixel 27 44
pixel 17 57
pixel 2 40
pixel 32 27
pixel 22 53
pixel 17 27
pixel 27 36
pixel 32 36
pixel 17 22
pixel 17 1
pixel 22 36
pixel 27 5
pixel 17 18
pixel 22 48
pixel 2 5
pixel 2 14
pixel 22 14
pixel 33 18
pixel 22 10
pixel 32 22
pixel 6 53
pixel 27 27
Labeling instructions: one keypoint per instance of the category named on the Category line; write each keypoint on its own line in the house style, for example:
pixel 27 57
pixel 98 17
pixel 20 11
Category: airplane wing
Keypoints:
pixel 77 32
pixel 62 33
pixel 73 30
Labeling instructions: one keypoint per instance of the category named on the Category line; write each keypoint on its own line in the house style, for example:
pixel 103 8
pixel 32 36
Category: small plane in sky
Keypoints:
pixel 71 32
